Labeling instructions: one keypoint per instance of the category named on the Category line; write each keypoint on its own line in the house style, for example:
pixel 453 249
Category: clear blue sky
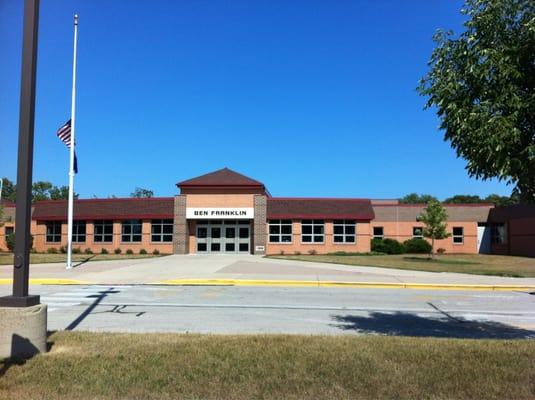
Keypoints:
pixel 314 98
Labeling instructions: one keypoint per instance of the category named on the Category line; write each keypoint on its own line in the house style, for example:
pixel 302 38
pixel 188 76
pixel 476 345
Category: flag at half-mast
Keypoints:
pixel 64 134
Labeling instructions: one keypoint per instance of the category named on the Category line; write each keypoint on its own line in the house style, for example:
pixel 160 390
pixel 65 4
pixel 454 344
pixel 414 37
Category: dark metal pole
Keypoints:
pixel 21 274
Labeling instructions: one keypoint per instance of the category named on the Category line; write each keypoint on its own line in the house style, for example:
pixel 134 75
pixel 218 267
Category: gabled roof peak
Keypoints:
pixel 224 177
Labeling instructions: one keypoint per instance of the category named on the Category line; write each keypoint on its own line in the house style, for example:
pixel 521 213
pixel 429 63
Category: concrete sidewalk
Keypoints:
pixel 230 269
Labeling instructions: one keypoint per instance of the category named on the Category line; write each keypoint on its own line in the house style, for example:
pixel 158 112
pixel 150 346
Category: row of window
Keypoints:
pixel 312 231
pixel 131 231
pixel 418 233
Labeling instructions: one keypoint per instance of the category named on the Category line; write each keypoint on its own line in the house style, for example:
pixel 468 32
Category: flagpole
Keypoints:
pixel 73 143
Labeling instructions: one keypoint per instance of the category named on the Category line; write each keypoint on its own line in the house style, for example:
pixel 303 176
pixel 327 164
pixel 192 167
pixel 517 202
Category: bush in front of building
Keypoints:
pixel 117 251
pixel 63 249
pixel 441 250
pixel 417 246
pixel 88 251
pixel 104 251
pixel 10 241
pixel 312 252
pixel 387 246
pixel 156 252
pixel 129 252
pixel 76 250
pixel 52 250
pixel 142 251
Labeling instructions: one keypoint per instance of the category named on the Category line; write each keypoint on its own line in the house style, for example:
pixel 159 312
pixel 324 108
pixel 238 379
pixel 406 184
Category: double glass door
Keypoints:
pixel 225 236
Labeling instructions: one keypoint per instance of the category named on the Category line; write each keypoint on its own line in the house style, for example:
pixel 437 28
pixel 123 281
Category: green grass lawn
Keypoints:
pixel 173 366
pixel 479 264
pixel 39 258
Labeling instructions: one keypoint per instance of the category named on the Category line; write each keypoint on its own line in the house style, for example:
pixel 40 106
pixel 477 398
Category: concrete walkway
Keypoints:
pixel 175 268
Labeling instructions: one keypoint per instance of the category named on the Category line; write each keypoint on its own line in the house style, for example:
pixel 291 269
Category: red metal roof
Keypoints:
pixel 320 208
pixel 221 178
pixel 154 207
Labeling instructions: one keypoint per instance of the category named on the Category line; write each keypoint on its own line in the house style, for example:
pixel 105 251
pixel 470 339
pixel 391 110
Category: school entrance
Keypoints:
pixel 223 236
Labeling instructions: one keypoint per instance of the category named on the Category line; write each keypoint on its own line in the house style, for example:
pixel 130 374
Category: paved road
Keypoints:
pixel 228 309
pixel 156 270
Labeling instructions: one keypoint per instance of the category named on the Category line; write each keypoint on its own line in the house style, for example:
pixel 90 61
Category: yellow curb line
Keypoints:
pixel 43 281
pixel 383 285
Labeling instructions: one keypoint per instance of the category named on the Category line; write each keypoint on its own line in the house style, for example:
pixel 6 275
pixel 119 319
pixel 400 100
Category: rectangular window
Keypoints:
pixel 162 230
pixel 498 234
pixel 417 232
pixel 78 231
pixel 312 231
pixel 9 230
pixel 280 231
pixel 103 231
pixel 344 231
pixel 53 231
pixel 458 235
pixel 131 230
pixel 378 232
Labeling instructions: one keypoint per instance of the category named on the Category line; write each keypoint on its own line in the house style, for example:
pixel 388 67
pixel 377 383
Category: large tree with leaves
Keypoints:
pixel 482 84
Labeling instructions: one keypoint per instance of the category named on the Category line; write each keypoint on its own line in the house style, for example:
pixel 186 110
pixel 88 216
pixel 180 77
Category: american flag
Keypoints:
pixel 64 134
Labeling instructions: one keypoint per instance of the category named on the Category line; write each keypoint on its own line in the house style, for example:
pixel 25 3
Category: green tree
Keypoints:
pixel 140 193
pixel 434 217
pixel 41 190
pixel 463 198
pixel 1 215
pixel 60 193
pixel 482 84
pixel 501 201
pixel 8 190
pixel 415 198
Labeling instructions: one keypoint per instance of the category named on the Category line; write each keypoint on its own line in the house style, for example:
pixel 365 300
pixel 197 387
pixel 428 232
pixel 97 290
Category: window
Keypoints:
pixel 131 230
pixel 312 231
pixel 344 231
pixel 162 230
pixel 498 234
pixel 53 231
pixel 9 230
pixel 78 231
pixel 417 232
pixel 378 232
pixel 280 231
pixel 458 235
pixel 103 231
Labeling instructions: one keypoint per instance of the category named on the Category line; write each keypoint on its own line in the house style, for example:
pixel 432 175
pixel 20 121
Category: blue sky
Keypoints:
pixel 314 98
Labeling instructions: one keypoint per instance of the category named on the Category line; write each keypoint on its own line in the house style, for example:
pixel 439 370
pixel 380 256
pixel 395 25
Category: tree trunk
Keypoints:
pixel 432 247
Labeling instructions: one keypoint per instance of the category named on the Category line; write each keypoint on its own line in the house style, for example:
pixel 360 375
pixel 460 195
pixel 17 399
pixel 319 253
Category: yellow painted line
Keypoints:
pixel 43 281
pixel 382 285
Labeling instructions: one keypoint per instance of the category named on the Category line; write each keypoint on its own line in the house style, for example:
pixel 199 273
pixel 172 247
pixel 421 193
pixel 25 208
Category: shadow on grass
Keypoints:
pixel 84 261
pixel 440 261
pixel 408 324
pixel 30 350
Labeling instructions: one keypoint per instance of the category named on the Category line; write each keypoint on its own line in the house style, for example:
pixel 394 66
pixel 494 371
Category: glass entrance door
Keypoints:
pixel 228 236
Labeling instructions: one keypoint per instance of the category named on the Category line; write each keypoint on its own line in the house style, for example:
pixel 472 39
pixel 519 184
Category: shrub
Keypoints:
pixel 88 251
pixel 297 253
pixel 76 250
pixel 63 249
pixel 129 251
pixel 117 251
pixel 441 250
pixel 420 246
pixel 281 252
pixel 312 252
pixel 52 250
pixel 142 251
pixel 387 246
pixel 104 251
pixel 10 241
pixel 155 252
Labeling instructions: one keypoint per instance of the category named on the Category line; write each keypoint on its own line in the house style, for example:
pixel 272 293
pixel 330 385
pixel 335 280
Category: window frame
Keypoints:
pixel 495 233
pixel 76 225
pixel 131 224
pixel 345 223
pixel 103 223
pixel 382 236
pixel 54 234
pixel 161 223
pixel 420 236
pixel 280 223
pixel 313 224
pixel 454 236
